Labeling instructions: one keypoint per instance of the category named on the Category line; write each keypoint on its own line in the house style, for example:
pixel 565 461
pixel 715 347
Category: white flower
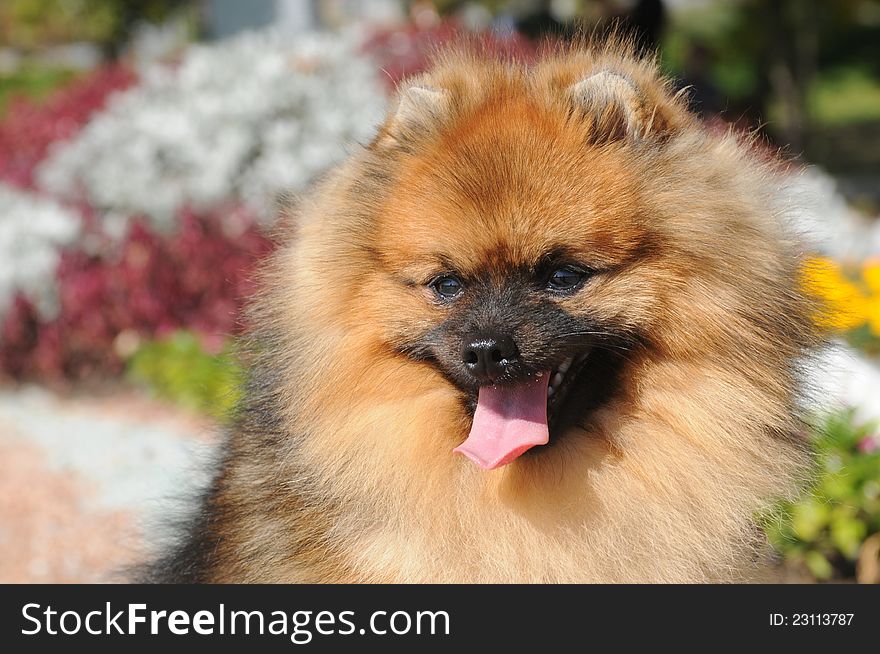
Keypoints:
pixel 32 231
pixel 244 120
pixel 845 378
pixel 820 212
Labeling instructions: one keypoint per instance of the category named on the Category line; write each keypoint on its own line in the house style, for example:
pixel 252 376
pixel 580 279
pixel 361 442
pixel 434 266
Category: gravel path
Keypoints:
pixel 83 478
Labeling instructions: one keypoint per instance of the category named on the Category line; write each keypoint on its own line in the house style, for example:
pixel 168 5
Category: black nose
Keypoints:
pixel 487 354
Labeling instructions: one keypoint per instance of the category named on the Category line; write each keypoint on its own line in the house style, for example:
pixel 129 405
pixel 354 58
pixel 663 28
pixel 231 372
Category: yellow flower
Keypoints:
pixel 844 305
pixel 871 275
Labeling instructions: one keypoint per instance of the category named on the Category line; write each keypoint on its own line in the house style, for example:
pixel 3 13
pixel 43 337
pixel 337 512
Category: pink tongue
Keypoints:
pixel 508 421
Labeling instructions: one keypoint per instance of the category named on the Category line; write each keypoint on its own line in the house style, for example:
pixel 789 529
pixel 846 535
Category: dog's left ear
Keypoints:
pixel 615 107
pixel 420 110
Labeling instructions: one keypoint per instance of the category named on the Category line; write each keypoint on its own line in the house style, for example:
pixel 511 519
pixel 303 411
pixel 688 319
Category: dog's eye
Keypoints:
pixel 447 286
pixel 566 279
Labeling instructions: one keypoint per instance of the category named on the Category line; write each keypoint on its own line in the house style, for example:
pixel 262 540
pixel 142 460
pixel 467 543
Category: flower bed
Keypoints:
pixel 239 123
pixel 143 207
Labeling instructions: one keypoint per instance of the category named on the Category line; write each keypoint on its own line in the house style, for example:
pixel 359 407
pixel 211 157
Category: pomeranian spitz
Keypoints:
pixel 545 327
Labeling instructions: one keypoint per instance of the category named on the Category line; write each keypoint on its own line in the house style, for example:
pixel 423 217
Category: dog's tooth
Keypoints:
pixel 557 379
pixel 565 365
pixel 550 390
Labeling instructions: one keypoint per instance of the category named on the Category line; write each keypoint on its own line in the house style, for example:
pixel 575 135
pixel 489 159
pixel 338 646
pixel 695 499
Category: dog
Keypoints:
pixel 545 327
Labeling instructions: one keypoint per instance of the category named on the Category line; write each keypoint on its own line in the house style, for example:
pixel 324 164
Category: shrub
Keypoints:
pixel 823 532
pixel 197 278
pixel 179 368
pixel 33 82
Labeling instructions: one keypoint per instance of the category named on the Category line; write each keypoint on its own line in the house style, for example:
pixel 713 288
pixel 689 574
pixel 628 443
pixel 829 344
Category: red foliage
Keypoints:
pixel 196 278
pixel 30 127
pixel 405 51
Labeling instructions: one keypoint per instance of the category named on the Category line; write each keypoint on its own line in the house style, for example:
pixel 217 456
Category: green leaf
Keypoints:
pixel 179 369
pixel 819 565
pixel 809 519
pixel 847 534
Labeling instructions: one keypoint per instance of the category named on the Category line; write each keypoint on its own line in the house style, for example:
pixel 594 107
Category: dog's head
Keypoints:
pixel 518 255
pixel 531 232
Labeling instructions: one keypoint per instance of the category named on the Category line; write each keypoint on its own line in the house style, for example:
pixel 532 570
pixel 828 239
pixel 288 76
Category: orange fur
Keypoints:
pixel 490 163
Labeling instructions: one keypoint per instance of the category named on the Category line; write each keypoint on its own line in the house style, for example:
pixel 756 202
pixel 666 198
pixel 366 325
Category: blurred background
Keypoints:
pixel 144 146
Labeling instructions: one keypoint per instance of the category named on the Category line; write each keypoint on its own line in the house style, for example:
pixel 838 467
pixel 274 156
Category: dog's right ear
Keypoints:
pixel 618 110
pixel 613 104
pixel 420 109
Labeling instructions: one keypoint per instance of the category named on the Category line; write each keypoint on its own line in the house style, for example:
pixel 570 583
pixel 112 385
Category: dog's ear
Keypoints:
pixel 421 106
pixel 420 109
pixel 614 106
